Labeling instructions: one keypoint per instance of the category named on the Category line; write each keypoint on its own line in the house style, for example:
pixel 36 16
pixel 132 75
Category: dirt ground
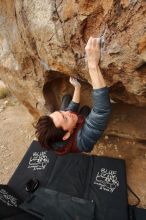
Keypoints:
pixel 17 132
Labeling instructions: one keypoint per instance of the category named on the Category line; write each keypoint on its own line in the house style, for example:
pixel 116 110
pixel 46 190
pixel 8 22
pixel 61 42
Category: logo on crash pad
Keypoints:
pixel 107 180
pixel 5 197
pixel 38 161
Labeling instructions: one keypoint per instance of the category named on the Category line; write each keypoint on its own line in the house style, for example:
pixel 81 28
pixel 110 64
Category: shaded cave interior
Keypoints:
pixel 57 85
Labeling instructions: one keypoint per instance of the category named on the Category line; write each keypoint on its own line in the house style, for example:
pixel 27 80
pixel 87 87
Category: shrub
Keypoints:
pixel 4 92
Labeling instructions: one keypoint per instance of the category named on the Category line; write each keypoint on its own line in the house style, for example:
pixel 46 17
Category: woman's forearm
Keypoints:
pixel 96 77
pixel 93 56
pixel 76 95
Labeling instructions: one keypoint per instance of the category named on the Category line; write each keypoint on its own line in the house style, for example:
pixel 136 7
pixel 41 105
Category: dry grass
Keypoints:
pixel 4 92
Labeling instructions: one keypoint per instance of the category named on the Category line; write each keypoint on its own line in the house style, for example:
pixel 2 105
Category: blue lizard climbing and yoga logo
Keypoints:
pixel 107 180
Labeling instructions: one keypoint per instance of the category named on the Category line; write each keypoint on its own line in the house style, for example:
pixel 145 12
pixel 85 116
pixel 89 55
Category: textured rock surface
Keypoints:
pixel 40 40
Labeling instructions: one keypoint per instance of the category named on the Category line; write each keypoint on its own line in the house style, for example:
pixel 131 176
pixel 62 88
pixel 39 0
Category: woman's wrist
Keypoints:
pixel 93 65
pixel 77 88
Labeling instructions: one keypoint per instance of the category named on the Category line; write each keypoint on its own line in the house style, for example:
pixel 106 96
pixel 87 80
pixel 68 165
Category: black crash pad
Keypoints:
pixel 93 178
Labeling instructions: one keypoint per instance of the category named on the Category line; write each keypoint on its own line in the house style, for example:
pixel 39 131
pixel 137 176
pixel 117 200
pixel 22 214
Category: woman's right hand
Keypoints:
pixel 74 82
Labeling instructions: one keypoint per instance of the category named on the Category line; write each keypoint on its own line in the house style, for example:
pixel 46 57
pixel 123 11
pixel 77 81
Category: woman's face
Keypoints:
pixel 64 119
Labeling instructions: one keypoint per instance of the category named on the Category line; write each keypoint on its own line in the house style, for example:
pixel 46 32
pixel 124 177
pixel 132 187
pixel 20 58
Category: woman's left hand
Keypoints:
pixel 74 82
pixel 93 52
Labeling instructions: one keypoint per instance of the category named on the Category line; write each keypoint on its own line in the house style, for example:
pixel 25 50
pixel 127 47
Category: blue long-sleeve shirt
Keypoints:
pixel 95 123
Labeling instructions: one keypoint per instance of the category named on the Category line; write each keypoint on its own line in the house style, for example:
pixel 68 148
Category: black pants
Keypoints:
pixel 85 110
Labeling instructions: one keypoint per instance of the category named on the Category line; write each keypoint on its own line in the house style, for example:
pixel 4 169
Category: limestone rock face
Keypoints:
pixel 42 43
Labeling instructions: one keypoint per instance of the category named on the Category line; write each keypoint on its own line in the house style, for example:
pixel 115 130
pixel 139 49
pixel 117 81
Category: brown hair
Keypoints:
pixel 47 133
